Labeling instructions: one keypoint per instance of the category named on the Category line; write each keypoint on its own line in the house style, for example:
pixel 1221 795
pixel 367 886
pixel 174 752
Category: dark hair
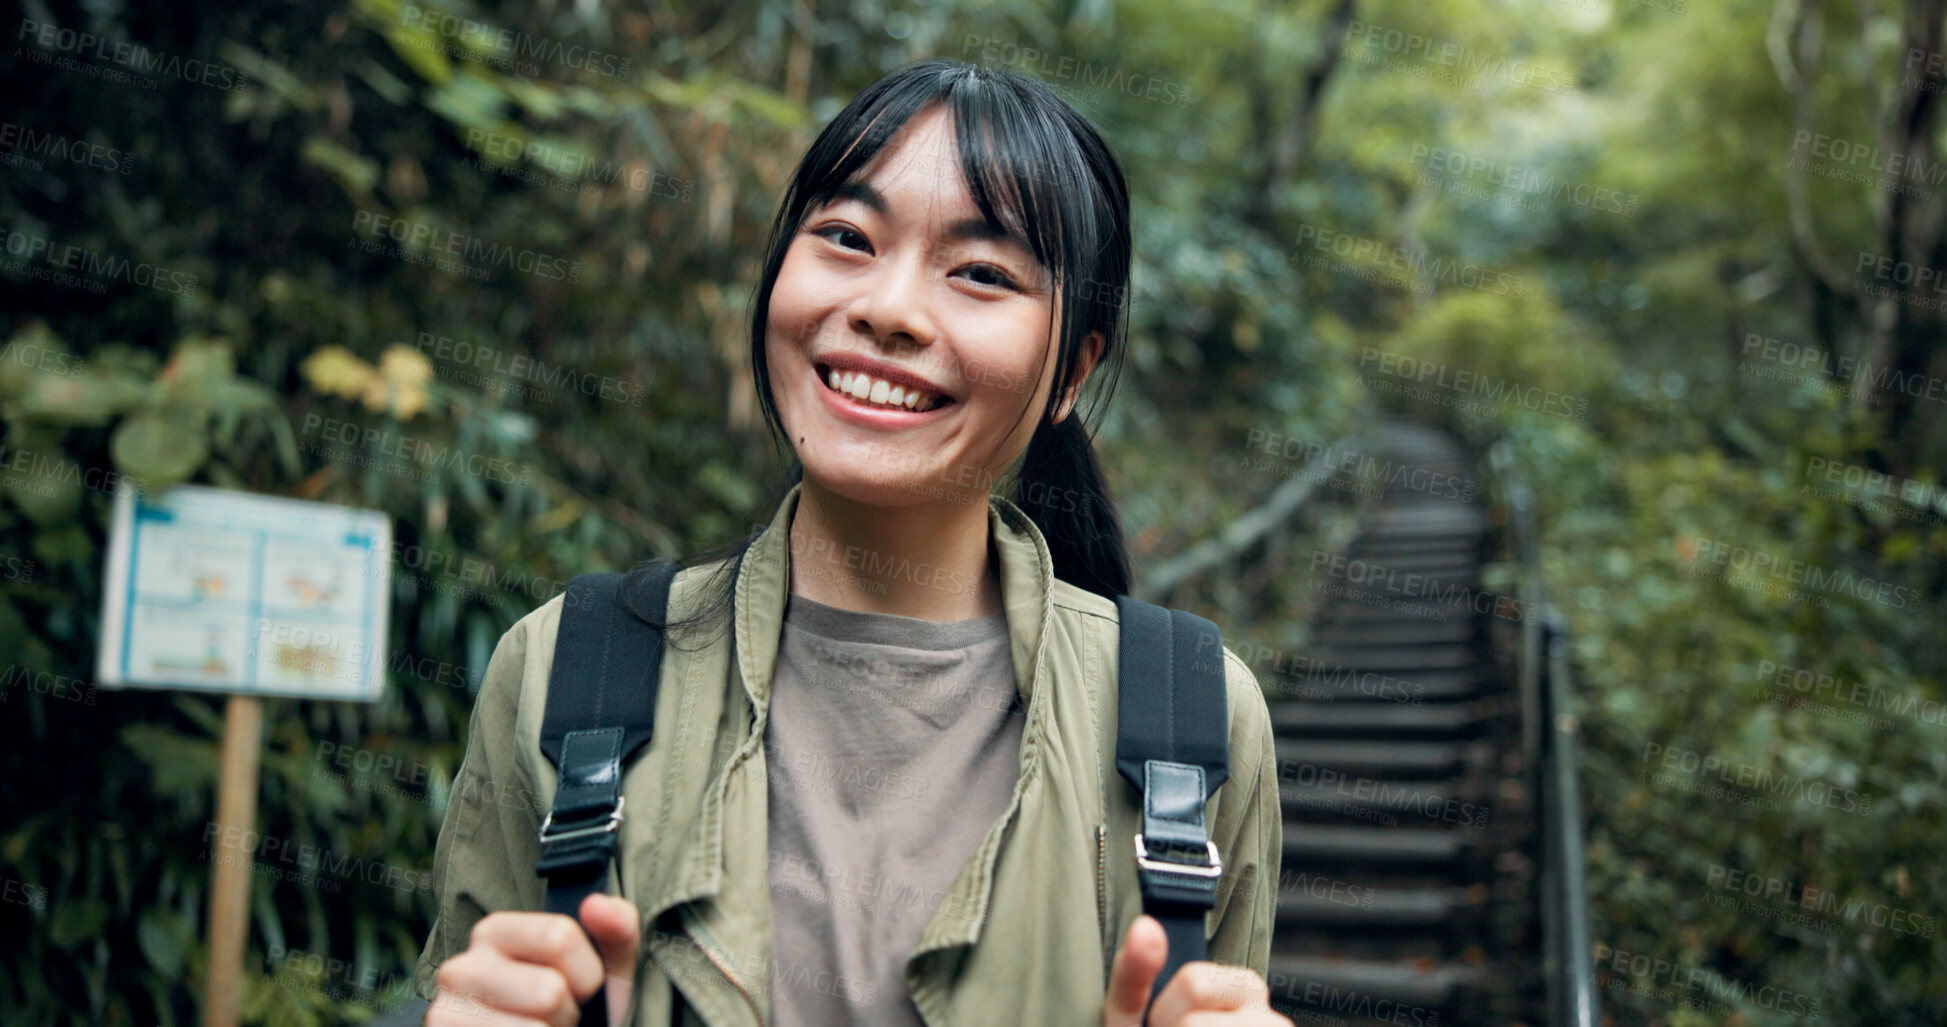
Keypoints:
pixel 1034 164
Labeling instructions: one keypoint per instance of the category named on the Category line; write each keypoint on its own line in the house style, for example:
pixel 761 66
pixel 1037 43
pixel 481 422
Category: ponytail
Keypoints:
pixel 1060 487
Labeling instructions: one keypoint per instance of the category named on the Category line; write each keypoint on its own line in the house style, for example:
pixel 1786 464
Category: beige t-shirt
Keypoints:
pixel 893 745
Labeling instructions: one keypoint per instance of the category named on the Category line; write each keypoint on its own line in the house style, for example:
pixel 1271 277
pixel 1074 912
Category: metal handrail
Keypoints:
pixel 1254 526
pixel 1549 732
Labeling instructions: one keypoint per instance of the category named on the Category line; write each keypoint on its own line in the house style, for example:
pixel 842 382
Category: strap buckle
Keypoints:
pixel 1215 868
pixel 609 825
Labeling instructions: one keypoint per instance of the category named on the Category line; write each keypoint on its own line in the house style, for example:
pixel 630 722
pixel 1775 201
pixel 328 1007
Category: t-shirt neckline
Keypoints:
pixel 842 625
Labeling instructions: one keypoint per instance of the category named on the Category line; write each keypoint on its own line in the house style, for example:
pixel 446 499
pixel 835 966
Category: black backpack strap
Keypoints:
pixel 1173 744
pixel 601 708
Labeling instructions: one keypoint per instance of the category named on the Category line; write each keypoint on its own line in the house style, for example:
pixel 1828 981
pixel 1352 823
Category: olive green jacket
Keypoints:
pixel 1026 932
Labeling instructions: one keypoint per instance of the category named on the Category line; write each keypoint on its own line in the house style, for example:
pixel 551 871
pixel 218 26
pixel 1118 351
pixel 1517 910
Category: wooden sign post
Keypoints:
pixel 253 596
pixel 236 817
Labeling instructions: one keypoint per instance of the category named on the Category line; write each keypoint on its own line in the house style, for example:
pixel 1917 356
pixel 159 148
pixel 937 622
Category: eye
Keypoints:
pixel 835 234
pixel 999 279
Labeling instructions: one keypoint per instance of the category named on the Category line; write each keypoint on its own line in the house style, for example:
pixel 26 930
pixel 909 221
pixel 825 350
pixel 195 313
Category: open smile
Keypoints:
pixel 875 395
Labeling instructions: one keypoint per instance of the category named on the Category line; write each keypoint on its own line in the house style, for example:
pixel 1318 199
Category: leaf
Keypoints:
pixel 355 174
pixel 161 448
pixel 163 938
pixel 77 920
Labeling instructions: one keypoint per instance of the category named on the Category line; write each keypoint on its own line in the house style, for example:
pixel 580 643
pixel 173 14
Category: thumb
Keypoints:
pixel 612 923
pixel 1133 973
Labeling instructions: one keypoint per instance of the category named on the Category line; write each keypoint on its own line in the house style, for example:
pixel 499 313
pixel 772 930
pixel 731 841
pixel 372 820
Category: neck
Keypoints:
pixel 932 561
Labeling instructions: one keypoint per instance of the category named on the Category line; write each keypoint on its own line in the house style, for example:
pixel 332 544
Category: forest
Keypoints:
pixel 487 268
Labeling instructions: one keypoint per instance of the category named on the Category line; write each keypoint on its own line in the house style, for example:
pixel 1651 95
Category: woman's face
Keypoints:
pixel 936 325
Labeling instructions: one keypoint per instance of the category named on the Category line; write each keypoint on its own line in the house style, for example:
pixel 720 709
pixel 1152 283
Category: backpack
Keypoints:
pixel 1172 746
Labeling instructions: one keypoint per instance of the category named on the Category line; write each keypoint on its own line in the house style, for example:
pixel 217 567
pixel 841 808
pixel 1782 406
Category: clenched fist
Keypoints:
pixel 538 968
pixel 1202 994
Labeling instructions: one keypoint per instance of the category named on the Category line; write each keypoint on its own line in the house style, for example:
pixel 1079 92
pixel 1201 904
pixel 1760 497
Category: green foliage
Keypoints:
pixel 640 191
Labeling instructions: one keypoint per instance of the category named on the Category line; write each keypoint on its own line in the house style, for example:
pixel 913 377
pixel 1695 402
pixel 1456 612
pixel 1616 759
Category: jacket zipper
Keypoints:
pixel 723 967
pixel 1102 886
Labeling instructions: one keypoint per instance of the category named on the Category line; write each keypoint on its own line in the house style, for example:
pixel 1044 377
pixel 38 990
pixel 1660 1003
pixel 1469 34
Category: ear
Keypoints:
pixel 1091 352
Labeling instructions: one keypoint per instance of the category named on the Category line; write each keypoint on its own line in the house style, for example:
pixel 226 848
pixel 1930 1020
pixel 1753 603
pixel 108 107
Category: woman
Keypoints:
pixel 881 788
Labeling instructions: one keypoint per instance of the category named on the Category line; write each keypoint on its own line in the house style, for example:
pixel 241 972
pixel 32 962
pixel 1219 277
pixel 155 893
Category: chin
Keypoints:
pixel 869 489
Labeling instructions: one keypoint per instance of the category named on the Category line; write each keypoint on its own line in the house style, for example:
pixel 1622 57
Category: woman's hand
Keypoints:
pixel 1202 994
pixel 538 968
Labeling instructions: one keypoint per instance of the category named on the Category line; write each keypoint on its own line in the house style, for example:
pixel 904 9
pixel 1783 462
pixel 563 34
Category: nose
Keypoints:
pixel 892 305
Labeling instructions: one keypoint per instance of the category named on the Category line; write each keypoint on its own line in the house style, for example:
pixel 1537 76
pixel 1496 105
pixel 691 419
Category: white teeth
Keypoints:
pixel 872 390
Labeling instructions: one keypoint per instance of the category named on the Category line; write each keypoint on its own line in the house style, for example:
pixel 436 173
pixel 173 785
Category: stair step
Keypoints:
pixel 1373 720
pixel 1413 632
pixel 1393 658
pixel 1412 992
pixel 1383 802
pixel 1311 901
pixel 1374 686
pixel 1316 845
pixel 1299 757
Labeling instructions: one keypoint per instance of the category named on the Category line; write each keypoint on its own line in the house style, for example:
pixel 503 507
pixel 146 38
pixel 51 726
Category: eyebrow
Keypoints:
pixel 970 228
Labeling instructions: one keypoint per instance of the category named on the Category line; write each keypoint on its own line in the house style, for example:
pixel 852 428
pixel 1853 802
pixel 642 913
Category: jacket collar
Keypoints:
pixel 763 584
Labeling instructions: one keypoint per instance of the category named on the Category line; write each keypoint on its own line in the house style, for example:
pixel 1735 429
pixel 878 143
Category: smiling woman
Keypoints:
pixel 888 796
